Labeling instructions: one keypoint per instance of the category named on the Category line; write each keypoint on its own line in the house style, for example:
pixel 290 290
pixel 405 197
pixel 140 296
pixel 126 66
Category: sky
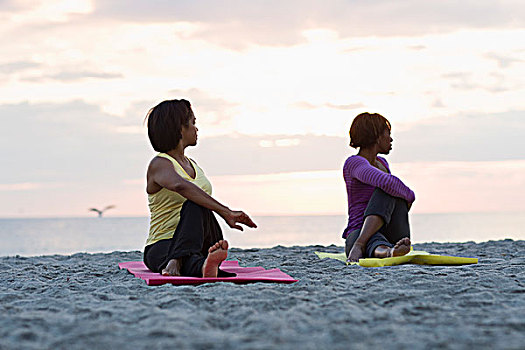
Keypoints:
pixel 274 86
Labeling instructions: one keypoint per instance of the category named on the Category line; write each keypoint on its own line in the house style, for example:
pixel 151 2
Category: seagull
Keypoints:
pixel 100 212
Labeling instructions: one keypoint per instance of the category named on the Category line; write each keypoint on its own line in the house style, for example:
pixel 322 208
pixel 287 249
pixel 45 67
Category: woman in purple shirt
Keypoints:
pixel 378 202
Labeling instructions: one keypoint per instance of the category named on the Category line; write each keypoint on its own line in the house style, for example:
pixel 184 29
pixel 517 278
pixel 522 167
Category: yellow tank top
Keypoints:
pixel 165 205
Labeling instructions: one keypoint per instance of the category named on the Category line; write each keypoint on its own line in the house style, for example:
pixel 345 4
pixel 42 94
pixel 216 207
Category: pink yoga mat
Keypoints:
pixel 244 274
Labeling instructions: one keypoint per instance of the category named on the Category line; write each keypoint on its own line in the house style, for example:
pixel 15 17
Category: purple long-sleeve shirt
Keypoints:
pixel 361 180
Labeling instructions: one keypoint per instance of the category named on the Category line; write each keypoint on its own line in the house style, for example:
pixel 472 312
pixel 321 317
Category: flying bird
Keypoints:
pixel 100 212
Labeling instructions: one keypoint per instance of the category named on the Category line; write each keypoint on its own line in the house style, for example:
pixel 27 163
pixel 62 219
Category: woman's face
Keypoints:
pixel 385 142
pixel 189 133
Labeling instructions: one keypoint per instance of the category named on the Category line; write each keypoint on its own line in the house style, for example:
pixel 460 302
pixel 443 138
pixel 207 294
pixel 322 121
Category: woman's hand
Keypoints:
pixel 356 253
pixel 235 217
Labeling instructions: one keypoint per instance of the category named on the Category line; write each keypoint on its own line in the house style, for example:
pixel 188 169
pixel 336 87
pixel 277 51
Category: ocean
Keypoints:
pixel 45 236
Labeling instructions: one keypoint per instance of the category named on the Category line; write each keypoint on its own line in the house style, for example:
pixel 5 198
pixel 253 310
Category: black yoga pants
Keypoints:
pixel 196 232
pixel 394 211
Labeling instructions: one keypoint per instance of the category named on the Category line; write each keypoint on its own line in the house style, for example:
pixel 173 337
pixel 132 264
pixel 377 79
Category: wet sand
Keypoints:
pixel 84 301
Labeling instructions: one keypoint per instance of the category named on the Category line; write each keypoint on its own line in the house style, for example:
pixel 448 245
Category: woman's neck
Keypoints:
pixel 177 153
pixel 369 154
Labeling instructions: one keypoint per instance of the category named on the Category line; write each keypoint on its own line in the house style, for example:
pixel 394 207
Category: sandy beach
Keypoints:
pixel 84 301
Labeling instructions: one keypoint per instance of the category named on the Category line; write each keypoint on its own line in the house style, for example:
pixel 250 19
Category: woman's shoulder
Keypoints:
pixel 353 163
pixel 159 161
pixel 163 156
pixel 355 160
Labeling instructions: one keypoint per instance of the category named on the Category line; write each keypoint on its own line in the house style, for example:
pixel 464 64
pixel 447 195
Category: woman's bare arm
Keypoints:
pixel 162 173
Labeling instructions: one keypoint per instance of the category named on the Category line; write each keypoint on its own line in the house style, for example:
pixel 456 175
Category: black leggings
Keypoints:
pixel 394 211
pixel 196 232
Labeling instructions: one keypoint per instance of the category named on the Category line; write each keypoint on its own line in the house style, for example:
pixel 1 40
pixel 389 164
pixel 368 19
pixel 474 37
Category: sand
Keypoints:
pixel 84 301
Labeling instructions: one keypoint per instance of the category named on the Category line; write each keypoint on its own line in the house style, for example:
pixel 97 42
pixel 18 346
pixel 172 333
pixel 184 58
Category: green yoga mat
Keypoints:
pixel 414 257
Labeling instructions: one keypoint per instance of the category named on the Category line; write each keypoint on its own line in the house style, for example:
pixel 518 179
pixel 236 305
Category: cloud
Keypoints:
pixel 242 154
pixel 17 66
pixel 216 109
pixel 10 6
pixel 77 141
pixel 460 80
pixel 438 103
pixel 24 186
pixel 66 143
pixel 68 76
pixel 468 81
pixel 72 149
pixel 481 137
pixel 304 105
pixel 344 107
pixel 465 186
pixel 471 137
pixel 74 75
pixel 417 47
pixel 502 61
pixel 239 23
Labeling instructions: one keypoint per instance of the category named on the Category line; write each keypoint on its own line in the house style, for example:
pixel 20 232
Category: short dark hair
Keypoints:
pixel 165 122
pixel 366 129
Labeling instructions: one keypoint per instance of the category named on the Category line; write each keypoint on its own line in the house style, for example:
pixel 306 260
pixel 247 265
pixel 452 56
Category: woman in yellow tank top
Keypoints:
pixel 184 237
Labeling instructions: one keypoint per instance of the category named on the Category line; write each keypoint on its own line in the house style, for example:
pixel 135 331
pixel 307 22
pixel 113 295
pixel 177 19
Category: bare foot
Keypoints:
pixel 216 255
pixel 401 248
pixel 173 268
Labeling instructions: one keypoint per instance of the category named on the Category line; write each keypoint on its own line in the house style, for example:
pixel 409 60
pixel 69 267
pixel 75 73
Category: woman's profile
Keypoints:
pixel 184 238
pixel 378 202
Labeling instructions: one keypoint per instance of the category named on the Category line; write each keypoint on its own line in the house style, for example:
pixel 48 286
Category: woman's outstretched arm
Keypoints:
pixel 162 173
